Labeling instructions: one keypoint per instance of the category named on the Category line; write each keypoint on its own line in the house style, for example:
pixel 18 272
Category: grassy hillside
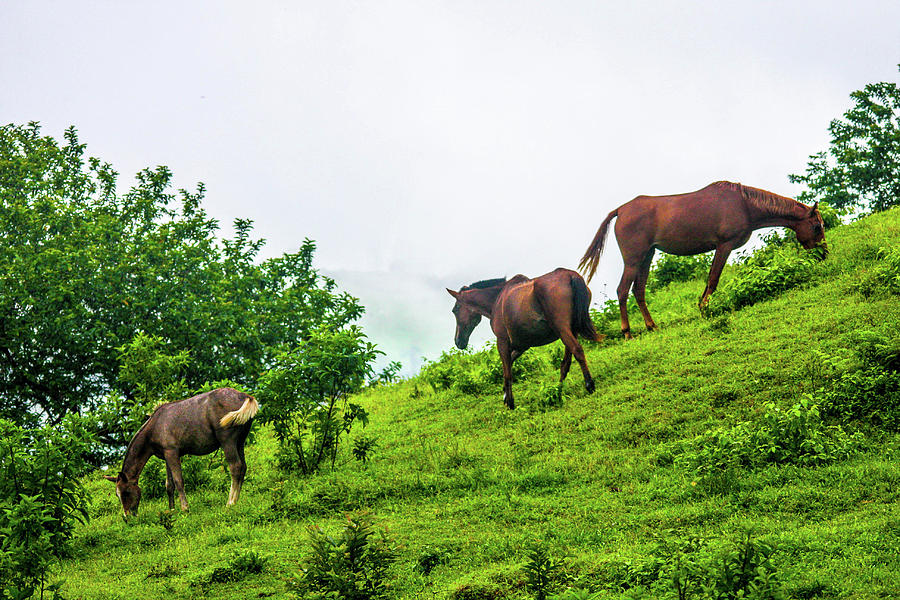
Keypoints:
pixel 701 440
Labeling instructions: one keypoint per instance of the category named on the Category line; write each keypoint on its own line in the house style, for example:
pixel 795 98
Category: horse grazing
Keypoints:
pixel 199 425
pixel 719 217
pixel 529 312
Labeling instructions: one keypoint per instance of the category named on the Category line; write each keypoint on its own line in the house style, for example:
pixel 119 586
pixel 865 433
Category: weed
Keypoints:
pixel 541 571
pixel 363 446
pixel 241 564
pixel 883 278
pixel 166 519
pixel 352 566
pixel 429 559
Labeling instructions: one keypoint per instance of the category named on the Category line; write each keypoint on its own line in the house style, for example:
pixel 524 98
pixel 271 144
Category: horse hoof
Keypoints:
pixel 589 386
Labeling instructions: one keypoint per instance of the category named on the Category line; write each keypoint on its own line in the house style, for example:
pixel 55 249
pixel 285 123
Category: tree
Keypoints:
pixel 84 269
pixel 861 168
pixel 305 396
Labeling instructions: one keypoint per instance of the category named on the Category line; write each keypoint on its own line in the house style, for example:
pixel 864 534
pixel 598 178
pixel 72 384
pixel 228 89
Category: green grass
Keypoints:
pixel 458 477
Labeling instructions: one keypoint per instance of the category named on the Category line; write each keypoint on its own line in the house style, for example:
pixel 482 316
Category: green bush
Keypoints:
pixel 241 564
pixel 797 435
pixel 305 396
pixel 351 566
pixel 762 279
pixel 41 500
pixel 541 571
pixel 671 268
pixel 469 372
pixel 883 278
pixel 863 387
pixel 195 469
pixel 692 569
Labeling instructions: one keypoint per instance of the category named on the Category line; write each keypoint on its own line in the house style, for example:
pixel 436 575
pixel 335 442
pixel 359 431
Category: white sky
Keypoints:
pixel 429 144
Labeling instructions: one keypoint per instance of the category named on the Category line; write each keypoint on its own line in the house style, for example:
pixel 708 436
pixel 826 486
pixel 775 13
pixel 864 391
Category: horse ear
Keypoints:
pixel 109 478
pixel 452 293
pixel 814 208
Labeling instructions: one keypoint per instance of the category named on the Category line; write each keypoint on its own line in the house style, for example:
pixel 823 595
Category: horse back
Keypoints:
pixel 533 310
pixel 682 223
pixel 192 425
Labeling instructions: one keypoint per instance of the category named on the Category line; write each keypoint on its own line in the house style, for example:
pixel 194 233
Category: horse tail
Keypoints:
pixel 240 416
pixel 591 258
pixel 581 318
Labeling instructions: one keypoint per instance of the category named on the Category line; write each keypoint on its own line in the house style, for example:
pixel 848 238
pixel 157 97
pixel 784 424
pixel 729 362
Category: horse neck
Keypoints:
pixel 774 211
pixel 484 299
pixel 138 453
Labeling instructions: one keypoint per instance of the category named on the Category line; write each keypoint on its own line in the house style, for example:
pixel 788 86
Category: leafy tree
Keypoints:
pixel 84 268
pixel 305 395
pixel 861 168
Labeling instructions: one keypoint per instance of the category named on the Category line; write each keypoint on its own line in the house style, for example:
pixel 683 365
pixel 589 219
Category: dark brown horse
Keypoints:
pixel 199 425
pixel 719 217
pixel 529 312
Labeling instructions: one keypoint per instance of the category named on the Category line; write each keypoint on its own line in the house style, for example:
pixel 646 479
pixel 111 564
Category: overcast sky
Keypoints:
pixel 424 144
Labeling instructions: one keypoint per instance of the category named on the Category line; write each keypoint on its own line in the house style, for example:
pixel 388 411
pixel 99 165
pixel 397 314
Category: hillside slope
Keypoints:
pixel 683 454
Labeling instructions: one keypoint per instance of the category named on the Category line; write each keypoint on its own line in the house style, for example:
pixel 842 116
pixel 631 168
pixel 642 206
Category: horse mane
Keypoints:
pixel 486 283
pixel 767 202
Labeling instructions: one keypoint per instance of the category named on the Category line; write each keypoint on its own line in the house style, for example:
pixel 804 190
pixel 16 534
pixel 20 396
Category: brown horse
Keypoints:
pixel 216 419
pixel 529 312
pixel 719 217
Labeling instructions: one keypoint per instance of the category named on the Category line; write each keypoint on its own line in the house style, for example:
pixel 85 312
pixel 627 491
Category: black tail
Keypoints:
pixel 591 258
pixel 581 317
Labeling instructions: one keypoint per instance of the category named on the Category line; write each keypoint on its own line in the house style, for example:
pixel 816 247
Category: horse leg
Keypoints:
pixel 173 464
pixel 506 360
pixel 628 276
pixel 718 263
pixel 566 363
pixel 640 286
pixel 574 348
pixel 234 454
pixel 170 487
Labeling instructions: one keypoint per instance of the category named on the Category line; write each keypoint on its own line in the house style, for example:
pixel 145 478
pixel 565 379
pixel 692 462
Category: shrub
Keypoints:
pixel 671 268
pixel 541 571
pixel 691 569
pixel 195 470
pixel 795 436
pixel 883 278
pixel 351 566
pixel 41 500
pixel 470 372
pixel 305 396
pixel 760 280
pixel 866 386
pixel 241 564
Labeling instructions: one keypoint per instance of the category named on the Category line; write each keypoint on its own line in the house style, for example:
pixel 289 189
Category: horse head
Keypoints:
pixel 467 317
pixel 811 230
pixel 128 492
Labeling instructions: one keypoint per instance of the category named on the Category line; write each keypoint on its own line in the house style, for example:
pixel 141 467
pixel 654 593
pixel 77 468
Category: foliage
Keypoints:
pixel 85 268
pixel 868 390
pixel 242 563
pixel 884 277
pixel 151 377
pixel 541 570
pixel 470 372
pixel 861 168
pixel 671 268
pixel 769 271
pixel 689 568
pixel 305 396
pixel 41 500
pixel 351 566
pixel 797 435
